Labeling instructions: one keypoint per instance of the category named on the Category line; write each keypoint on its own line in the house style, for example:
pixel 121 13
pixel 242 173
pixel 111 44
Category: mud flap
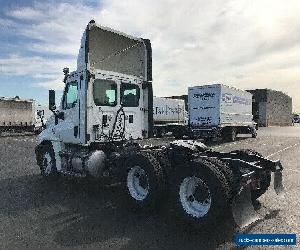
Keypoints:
pixel 278 184
pixel 242 208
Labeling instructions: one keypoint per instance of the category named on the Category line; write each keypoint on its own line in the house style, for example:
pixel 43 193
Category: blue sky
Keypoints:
pixel 247 44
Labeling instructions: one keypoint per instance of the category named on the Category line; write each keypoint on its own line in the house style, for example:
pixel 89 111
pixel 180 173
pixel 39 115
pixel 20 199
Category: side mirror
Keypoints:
pixel 52 100
pixel 40 113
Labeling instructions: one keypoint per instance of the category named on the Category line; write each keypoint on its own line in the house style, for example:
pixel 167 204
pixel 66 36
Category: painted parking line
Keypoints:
pixel 282 150
pixel 292 170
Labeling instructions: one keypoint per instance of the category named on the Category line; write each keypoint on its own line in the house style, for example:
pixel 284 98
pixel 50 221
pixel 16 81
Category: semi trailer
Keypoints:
pixel 19 115
pixel 100 130
pixel 169 115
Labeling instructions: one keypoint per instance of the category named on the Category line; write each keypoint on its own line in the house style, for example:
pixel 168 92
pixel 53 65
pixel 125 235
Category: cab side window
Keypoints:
pixel 130 95
pixel 105 93
pixel 70 95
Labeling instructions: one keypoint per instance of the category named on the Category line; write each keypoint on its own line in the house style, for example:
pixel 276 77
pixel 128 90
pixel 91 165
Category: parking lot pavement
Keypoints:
pixel 35 214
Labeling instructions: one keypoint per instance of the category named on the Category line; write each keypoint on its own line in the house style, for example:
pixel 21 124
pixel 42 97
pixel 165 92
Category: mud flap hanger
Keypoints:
pixel 278 183
pixel 243 211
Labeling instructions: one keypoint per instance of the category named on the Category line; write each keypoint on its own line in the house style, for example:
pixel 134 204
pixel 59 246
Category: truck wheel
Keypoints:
pixel 231 136
pixel 158 132
pixel 46 162
pixel 254 133
pixel 200 194
pixel 145 182
pixel 178 133
pixel 231 174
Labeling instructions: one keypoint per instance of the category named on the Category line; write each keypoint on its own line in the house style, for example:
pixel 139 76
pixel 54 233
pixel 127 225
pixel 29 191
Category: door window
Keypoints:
pixel 130 95
pixel 70 95
pixel 105 93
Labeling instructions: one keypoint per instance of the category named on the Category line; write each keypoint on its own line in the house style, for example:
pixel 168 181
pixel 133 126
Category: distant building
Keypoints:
pixel 271 108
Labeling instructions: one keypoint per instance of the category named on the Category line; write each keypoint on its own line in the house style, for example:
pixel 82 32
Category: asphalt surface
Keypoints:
pixel 63 215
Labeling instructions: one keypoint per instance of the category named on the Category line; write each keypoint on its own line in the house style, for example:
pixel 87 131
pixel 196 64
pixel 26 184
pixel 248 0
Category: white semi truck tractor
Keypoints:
pixel 105 112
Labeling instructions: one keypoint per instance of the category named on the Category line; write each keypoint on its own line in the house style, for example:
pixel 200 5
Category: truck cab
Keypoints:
pixel 109 96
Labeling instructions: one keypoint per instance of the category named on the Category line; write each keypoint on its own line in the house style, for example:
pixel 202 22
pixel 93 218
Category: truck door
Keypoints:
pixel 132 99
pixel 67 128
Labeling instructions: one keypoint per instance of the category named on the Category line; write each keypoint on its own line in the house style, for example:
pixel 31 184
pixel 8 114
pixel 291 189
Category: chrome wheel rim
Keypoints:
pixel 195 196
pixel 138 183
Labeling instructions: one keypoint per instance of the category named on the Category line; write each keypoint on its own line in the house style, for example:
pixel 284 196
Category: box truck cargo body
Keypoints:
pixel 19 115
pixel 219 110
pixel 169 115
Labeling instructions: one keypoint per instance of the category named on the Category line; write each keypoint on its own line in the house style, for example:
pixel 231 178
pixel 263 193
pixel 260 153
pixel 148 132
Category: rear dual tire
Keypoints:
pixel 200 194
pixel 229 134
pixel 145 181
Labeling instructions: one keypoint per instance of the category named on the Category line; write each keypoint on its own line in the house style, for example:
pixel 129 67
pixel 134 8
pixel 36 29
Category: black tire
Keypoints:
pixel 45 155
pixel 178 133
pixel 158 133
pixel 217 185
pixel 154 178
pixel 254 133
pixel 231 174
pixel 229 134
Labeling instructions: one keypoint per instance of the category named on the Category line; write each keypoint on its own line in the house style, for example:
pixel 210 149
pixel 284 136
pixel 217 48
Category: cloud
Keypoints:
pixel 33 66
pixel 26 13
pixel 248 44
pixel 56 84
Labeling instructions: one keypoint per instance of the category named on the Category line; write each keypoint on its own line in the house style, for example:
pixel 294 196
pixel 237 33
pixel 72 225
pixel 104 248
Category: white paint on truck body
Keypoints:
pixel 219 105
pixel 167 110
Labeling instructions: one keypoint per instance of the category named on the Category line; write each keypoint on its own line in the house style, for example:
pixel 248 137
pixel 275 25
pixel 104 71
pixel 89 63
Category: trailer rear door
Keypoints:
pixel 204 103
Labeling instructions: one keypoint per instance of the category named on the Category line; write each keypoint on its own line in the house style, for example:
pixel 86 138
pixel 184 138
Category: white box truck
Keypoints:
pixel 169 115
pixel 220 111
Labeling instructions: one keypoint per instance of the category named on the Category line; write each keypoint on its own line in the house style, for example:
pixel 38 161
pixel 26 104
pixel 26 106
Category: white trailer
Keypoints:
pixel 22 115
pixel 169 115
pixel 17 115
pixel 220 111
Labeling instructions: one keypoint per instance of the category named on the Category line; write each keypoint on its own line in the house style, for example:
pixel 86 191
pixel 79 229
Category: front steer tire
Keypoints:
pixel 215 201
pixel 145 181
pixel 46 162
